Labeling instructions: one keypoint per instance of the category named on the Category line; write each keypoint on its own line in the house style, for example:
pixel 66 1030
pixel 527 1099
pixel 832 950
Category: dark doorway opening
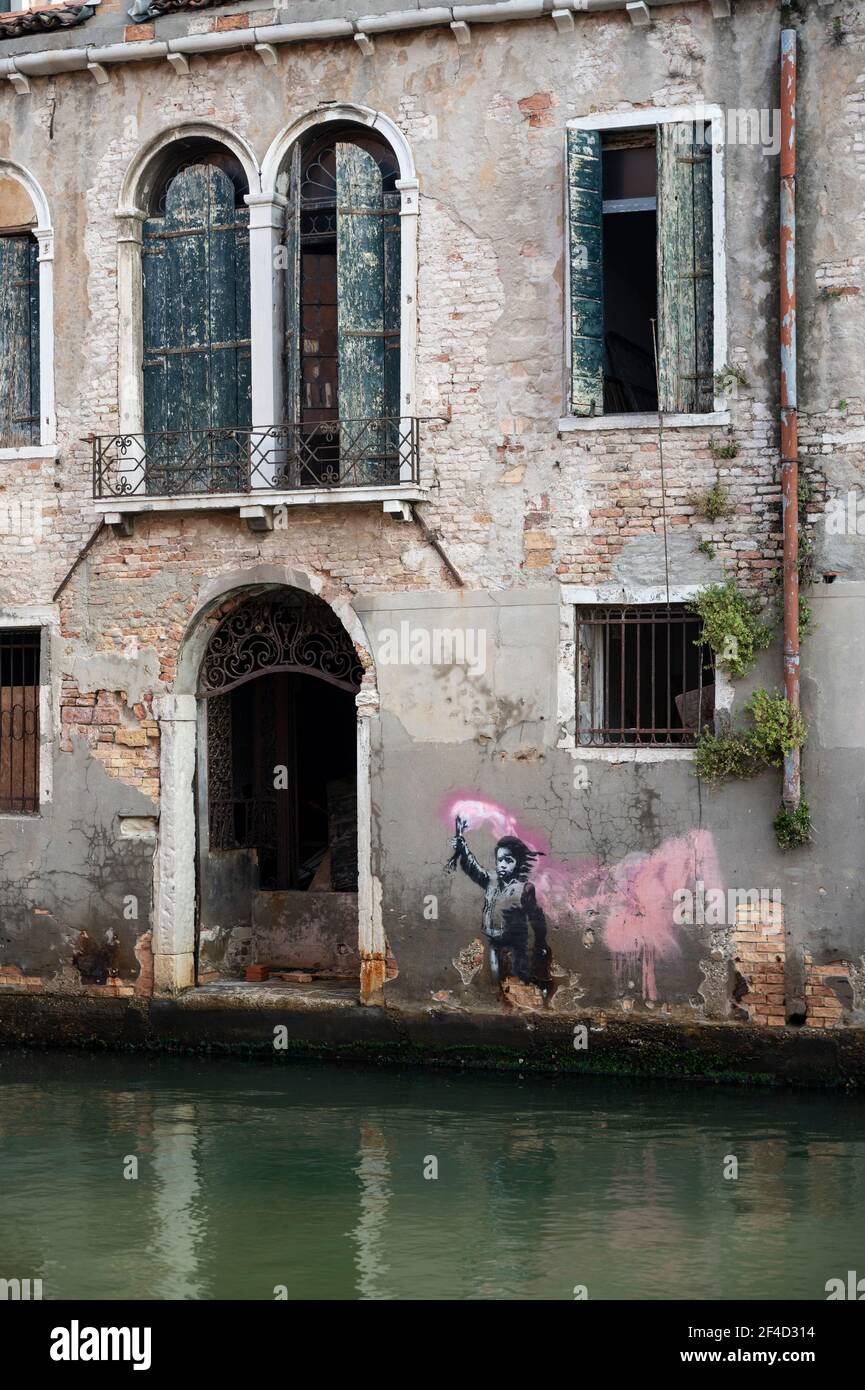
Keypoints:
pixel 294 763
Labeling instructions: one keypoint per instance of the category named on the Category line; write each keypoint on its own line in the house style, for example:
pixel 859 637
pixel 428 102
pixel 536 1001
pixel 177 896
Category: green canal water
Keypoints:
pixel 311 1178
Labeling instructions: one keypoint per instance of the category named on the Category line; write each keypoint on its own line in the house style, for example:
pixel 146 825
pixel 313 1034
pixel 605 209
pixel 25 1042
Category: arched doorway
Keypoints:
pixel 277 791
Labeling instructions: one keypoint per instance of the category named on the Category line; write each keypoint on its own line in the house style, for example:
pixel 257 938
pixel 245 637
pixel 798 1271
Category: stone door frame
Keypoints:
pixel 176 860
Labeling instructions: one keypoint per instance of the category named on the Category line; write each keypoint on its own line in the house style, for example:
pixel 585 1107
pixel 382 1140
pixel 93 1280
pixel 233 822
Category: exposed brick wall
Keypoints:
pixel 824 1007
pixel 758 953
pixel 125 741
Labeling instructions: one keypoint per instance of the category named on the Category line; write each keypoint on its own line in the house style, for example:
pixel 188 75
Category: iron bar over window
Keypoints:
pixel 643 676
pixel 19 722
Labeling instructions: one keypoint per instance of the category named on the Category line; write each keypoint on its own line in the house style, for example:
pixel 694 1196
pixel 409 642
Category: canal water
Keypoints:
pixel 312 1181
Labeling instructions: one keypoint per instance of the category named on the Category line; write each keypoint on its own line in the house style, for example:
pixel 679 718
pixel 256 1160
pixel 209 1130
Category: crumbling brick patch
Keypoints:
pixel 538 109
pixel 828 992
pixel 538 542
pixel 758 956
pixel 125 741
pixel 14 981
pixel 12 977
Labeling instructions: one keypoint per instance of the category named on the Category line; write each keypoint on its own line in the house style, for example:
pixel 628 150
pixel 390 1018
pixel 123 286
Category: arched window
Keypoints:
pixel 342 311
pixel 196 311
pixel 19 318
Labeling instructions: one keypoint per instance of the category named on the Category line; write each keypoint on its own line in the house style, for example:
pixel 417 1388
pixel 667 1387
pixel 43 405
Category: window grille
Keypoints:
pixel 643 676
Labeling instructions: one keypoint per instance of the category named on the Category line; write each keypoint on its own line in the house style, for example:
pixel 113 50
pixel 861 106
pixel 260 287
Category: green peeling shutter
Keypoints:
pixel 585 238
pixel 685 288
pixel 19 341
pixel 360 262
pixel 197 369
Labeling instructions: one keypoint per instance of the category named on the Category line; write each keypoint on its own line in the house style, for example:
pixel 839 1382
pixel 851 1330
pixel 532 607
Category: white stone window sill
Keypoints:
pixel 627 754
pixel 29 451
pixel 648 421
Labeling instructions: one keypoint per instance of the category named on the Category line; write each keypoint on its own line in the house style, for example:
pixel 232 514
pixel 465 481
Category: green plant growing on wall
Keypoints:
pixel 842 405
pixel 777 727
pixel 723 757
pixel 729 378
pixel 793 828
pixel 706 548
pixel 730 450
pixel 731 627
pixel 713 503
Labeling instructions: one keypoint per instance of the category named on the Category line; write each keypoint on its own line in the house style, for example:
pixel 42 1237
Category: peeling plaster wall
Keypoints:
pixel 73 870
pixel 518 506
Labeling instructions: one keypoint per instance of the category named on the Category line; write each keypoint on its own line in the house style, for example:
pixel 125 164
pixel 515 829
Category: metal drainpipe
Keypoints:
pixel 789 423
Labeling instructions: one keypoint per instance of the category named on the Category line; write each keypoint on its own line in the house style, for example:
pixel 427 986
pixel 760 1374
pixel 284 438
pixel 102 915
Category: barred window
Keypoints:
pixel 19 721
pixel 643 676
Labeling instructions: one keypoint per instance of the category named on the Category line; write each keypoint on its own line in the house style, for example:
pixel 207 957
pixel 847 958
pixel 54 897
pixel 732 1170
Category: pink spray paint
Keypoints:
pixel 633 896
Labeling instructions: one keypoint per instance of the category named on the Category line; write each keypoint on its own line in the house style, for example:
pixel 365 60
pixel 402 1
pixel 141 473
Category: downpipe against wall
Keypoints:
pixel 789 422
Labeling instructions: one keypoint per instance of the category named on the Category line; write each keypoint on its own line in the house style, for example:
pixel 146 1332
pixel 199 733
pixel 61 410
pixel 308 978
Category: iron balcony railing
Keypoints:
pixel 327 454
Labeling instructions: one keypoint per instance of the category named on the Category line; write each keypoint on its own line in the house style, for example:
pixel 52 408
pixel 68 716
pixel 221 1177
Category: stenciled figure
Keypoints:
pixel 510 905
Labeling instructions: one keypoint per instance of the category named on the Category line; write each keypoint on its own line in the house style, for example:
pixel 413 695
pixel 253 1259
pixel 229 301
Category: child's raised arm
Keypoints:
pixel 463 857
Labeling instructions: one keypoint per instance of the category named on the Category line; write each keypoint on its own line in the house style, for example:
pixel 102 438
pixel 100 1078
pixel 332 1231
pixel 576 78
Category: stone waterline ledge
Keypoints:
pixel 241 1021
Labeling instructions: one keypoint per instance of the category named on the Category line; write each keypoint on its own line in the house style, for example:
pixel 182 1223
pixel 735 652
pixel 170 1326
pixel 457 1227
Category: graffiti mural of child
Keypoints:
pixel 510 906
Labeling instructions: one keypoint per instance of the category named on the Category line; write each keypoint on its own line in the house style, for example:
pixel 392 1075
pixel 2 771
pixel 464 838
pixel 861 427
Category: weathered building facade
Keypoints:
pixel 379 390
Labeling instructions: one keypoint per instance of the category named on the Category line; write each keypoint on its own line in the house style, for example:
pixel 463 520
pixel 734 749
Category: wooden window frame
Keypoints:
pixel 638 120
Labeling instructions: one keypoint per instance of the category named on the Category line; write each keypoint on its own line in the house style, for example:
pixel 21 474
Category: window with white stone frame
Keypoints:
pixel 646 305
pixel 635 683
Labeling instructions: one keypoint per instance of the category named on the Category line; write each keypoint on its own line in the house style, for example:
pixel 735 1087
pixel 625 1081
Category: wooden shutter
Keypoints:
pixel 685 281
pixel 360 259
pixel 19 722
pixel 19 341
pixel 197 324
pixel 585 238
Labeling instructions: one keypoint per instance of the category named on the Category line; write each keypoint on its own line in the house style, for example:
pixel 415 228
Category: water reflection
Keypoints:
pixel 251 1178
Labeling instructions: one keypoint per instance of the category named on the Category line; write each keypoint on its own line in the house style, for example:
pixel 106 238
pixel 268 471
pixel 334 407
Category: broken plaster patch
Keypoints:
pixel 469 961
pixel 136 674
